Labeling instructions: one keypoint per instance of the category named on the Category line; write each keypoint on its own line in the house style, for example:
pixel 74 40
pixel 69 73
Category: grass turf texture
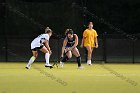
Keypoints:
pixel 14 78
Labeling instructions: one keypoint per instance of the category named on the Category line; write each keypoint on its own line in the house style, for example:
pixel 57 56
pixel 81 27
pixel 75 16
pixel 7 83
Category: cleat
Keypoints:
pixel 89 64
pixel 27 67
pixel 80 67
pixel 49 65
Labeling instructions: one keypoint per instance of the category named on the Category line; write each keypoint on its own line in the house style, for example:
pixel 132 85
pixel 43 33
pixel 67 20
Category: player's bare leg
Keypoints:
pixel 75 52
pixel 32 59
pixel 89 49
pixel 47 56
pixel 69 54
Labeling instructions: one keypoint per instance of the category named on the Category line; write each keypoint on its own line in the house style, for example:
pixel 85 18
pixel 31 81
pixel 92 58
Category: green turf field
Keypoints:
pixel 98 78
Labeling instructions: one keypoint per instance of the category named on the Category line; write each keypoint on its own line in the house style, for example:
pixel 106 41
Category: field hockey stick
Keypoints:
pixel 55 64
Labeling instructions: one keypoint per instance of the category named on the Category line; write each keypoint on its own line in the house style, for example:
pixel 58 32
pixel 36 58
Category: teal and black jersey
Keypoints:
pixel 71 41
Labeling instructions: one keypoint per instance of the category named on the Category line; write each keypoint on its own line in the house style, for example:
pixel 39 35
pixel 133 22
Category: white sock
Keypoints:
pixel 47 57
pixel 88 61
pixel 32 59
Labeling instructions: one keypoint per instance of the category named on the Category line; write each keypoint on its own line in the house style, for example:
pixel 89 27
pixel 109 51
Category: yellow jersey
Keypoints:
pixel 89 37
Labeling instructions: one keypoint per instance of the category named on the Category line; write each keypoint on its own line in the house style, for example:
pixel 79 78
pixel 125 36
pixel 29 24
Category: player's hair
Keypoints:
pixel 69 31
pixel 66 31
pixel 48 30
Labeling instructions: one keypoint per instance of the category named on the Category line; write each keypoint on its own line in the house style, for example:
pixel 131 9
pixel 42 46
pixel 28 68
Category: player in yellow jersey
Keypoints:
pixel 90 41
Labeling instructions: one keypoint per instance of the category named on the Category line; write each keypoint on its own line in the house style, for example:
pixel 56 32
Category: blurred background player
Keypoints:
pixel 41 43
pixel 69 48
pixel 89 41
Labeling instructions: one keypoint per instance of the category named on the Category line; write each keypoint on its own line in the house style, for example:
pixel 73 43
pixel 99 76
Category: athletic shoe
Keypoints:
pixel 48 65
pixel 61 64
pixel 27 67
pixel 80 67
pixel 89 63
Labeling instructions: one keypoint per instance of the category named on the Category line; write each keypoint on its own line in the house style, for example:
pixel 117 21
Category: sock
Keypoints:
pixel 32 59
pixel 47 57
pixel 64 59
pixel 89 62
pixel 79 61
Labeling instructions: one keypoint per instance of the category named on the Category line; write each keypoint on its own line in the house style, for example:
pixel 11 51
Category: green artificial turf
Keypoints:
pixel 98 78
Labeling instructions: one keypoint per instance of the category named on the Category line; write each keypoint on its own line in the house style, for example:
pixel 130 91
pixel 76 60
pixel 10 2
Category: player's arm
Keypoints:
pixel 46 43
pixel 63 47
pixel 96 42
pixel 82 42
pixel 76 42
pixel 84 36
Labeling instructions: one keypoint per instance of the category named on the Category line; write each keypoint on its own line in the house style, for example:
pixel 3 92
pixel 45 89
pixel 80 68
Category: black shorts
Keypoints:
pixel 35 49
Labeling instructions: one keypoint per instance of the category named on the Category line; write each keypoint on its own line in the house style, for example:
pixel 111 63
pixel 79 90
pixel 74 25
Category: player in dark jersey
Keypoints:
pixel 70 47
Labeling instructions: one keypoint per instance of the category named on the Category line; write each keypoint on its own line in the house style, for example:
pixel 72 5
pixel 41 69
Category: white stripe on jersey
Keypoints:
pixel 38 41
